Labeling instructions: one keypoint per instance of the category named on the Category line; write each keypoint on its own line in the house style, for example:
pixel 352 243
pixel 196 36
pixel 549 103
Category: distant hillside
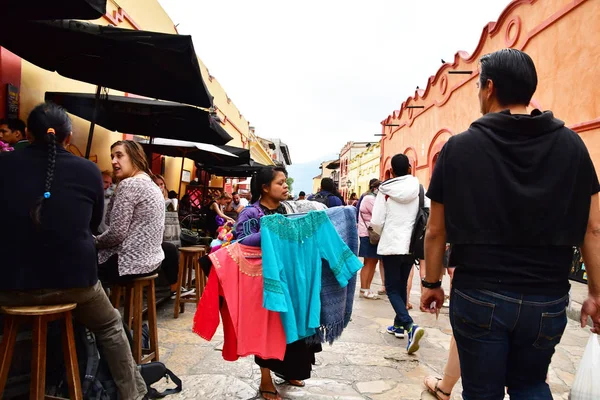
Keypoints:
pixel 304 173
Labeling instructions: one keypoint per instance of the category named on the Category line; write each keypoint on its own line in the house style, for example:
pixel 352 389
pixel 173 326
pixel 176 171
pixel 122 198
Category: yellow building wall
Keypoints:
pixel 316 184
pixel 147 15
pixel 364 167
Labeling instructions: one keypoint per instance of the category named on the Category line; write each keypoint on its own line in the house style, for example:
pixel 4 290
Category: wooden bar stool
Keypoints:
pixel 40 316
pixel 189 270
pixel 134 309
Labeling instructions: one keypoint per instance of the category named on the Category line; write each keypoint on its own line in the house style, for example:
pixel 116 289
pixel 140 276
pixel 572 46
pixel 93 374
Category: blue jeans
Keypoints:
pixel 506 340
pixel 397 270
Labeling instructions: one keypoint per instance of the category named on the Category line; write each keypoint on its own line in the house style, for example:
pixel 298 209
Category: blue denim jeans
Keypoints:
pixel 397 270
pixel 506 340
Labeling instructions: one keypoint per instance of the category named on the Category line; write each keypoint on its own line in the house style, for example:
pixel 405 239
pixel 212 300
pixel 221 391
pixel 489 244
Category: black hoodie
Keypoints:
pixel 520 183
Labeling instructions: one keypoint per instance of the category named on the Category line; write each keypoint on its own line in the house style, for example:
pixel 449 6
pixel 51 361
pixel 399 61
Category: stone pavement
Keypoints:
pixel 366 363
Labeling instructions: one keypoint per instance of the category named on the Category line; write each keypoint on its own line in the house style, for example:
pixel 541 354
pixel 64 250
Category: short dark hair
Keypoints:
pixel 513 73
pixel 234 193
pixel 400 164
pixel 328 185
pixel 14 124
pixel 301 194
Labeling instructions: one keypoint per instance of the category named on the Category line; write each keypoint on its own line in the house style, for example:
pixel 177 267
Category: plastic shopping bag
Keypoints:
pixel 587 380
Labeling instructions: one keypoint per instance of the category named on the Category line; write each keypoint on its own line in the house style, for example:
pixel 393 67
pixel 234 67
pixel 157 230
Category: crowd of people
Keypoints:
pixel 508 201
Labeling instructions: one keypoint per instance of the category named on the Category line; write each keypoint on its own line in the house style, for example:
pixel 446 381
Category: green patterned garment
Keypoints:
pixel 292 251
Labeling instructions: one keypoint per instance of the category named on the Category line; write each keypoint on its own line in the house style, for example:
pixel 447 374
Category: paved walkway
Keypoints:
pixel 366 363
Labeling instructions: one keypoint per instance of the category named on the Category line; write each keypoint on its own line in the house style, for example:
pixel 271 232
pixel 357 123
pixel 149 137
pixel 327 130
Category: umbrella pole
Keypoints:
pixel 181 175
pixel 88 148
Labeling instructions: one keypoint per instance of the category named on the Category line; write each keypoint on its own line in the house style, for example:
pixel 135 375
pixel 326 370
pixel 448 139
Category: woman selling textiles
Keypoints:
pixel 135 217
pixel 269 189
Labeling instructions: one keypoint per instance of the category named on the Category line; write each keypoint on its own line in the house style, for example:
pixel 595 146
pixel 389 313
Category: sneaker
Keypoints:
pixel 415 334
pixel 184 292
pixel 397 331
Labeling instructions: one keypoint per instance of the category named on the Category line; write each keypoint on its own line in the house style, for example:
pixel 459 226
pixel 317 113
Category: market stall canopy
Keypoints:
pixel 151 64
pixel 237 171
pixel 146 117
pixel 205 154
pixel 53 9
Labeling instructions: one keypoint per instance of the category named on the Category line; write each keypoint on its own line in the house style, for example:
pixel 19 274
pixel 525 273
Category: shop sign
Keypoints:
pixel 12 101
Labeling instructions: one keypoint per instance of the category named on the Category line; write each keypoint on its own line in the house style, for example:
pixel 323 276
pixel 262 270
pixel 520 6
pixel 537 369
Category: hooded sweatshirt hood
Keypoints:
pixel 403 189
pixel 521 140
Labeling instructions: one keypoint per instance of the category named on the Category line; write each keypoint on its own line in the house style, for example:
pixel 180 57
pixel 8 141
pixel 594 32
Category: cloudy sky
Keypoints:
pixel 318 74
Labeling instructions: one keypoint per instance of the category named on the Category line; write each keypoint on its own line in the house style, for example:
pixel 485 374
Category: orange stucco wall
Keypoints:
pixel 562 37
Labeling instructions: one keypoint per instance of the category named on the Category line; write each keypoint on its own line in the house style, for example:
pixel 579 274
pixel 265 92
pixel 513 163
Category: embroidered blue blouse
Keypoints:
pixel 292 251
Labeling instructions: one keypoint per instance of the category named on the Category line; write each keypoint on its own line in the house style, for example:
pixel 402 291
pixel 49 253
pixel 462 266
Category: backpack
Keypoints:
pixel 322 198
pixel 96 380
pixel 417 240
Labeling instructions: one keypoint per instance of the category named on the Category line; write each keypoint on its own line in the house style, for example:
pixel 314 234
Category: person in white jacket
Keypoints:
pixel 393 218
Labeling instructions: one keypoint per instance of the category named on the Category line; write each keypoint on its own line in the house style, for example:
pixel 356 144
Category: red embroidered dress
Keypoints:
pixel 249 328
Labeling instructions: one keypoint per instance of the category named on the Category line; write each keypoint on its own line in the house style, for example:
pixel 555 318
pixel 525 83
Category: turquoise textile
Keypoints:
pixel 292 250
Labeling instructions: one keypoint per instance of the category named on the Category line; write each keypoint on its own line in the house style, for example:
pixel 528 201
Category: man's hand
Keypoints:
pixel 432 295
pixel 591 308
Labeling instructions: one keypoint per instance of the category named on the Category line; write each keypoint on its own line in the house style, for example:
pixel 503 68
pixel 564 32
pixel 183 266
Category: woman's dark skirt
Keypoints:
pixel 297 362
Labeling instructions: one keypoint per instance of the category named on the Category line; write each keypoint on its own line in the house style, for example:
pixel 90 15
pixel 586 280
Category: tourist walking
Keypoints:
pixel 55 201
pixel 513 195
pixel 367 250
pixel 394 215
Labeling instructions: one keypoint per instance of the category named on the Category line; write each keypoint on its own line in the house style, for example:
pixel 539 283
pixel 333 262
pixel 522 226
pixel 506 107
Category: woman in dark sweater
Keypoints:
pixel 51 202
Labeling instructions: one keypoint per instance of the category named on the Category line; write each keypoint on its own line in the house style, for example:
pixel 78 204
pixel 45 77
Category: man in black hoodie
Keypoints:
pixel 513 195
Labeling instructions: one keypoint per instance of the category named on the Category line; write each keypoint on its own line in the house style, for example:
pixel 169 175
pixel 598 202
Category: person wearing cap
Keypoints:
pixel 367 249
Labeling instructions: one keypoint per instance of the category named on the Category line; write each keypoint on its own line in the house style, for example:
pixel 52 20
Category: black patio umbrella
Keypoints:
pixel 236 171
pixel 205 154
pixel 53 9
pixel 146 117
pixel 151 64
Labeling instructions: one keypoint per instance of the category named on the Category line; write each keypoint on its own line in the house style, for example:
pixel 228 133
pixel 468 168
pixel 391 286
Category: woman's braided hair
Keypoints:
pixel 48 123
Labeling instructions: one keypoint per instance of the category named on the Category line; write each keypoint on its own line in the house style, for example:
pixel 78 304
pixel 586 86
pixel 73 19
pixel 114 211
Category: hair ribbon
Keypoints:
pixel 51 131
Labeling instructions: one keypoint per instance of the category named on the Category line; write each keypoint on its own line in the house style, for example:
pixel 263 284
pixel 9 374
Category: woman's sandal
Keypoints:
pixel 291 382
pixel 435 390
pixel 368 294
pixel 263 392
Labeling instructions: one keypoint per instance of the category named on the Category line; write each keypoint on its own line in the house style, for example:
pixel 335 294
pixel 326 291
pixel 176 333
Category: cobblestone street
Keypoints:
pixel 367 363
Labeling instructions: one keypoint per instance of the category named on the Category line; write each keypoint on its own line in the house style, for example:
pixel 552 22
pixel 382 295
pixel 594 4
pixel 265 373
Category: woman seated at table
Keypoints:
pixel 131 247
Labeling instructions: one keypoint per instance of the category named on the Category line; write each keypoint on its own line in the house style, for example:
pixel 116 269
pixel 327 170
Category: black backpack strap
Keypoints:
pixel 93 361
pixel 421 197
pixel 155 394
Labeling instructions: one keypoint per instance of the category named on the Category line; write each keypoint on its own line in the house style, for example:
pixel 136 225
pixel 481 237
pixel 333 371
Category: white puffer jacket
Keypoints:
pixel 394 214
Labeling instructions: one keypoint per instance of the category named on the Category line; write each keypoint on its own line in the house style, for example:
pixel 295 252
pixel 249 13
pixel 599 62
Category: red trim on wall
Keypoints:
pixel 434 147
pixel 586 126
pixel 511 40
pixel 414 157
pixel 552 19
pixel 491 30
pixel 10 72
pixel 119 16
